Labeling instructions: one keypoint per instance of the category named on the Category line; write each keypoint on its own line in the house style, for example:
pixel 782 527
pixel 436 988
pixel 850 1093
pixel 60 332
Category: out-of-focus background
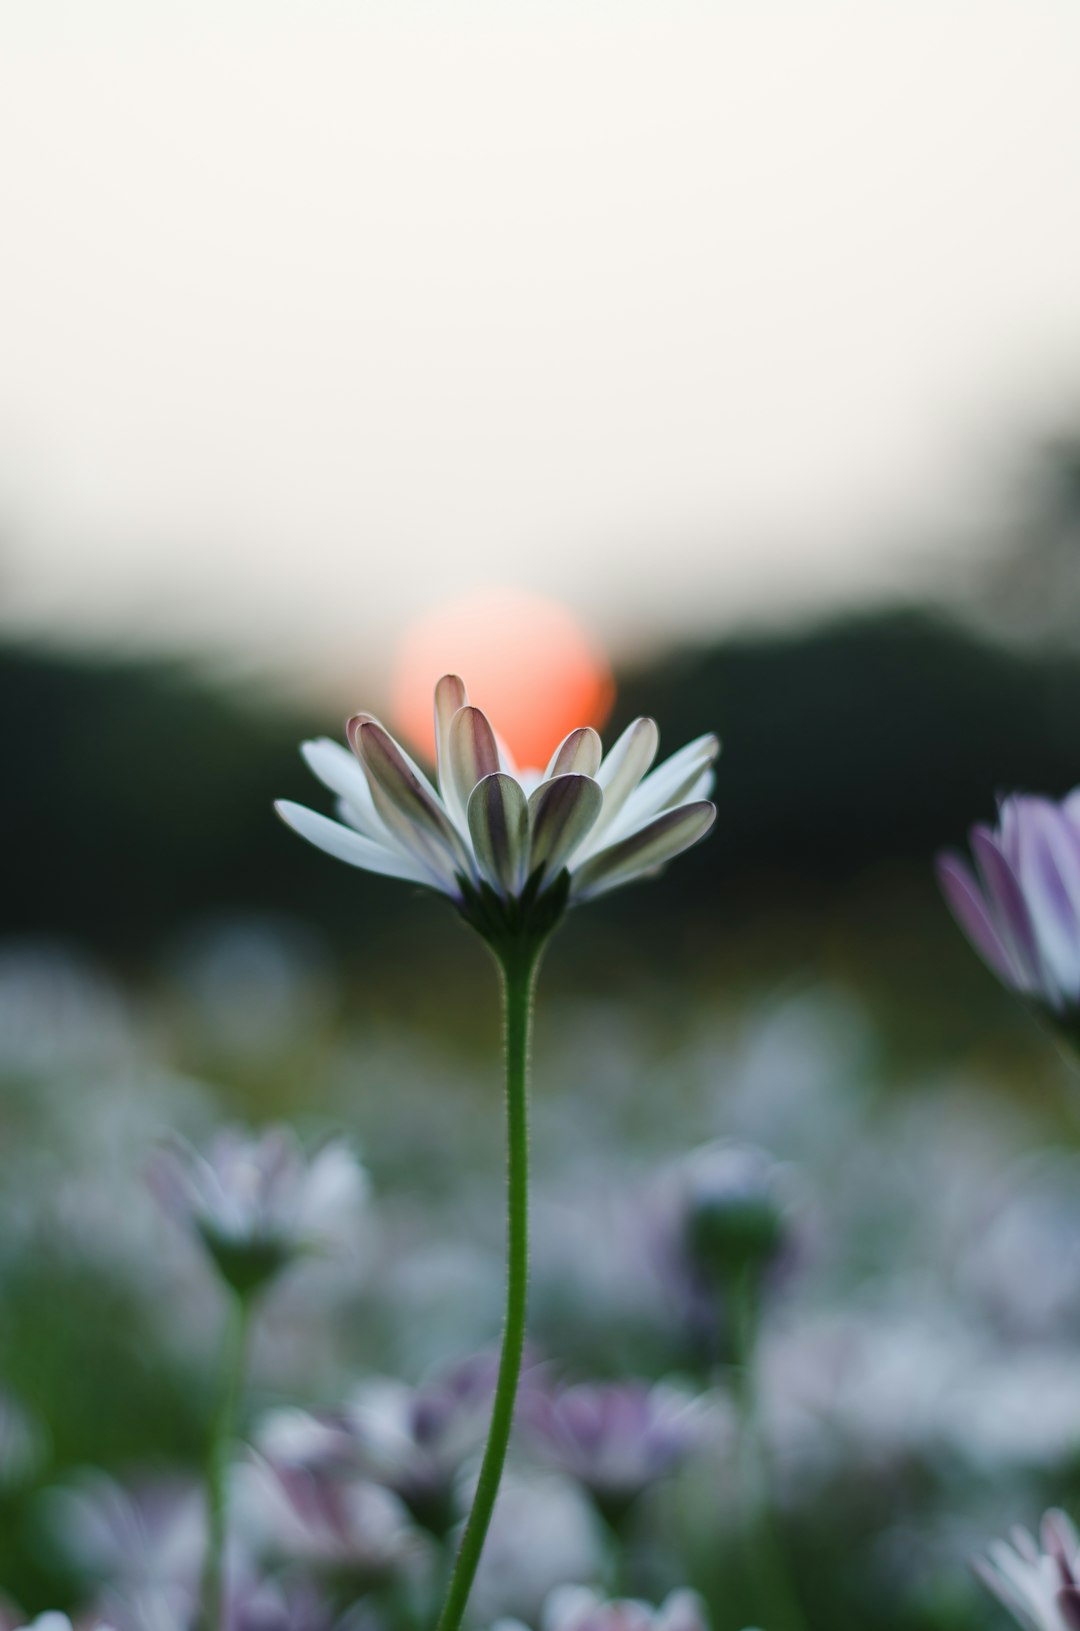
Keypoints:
pixel 730 351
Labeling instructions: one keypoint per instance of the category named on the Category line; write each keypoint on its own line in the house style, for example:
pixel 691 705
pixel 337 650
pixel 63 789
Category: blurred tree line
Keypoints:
pixel 139 795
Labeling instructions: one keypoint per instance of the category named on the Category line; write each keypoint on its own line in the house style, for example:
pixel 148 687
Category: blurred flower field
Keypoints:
pixel 918 1390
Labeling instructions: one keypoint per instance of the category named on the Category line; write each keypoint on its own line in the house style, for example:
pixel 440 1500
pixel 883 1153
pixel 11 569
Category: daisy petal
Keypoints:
pixel 342 773
pixel 346 845
pixel 701 789
pixel 410 806
pixel 450 695
pixel 1048 869
pixel 623 767
pixel 499 827
pixel 352 731
pixel 579 753
pixel 1009 908
pixel 674 782
pixel 971 912
pixel 474 754
pixel 651 847
pixel 562 811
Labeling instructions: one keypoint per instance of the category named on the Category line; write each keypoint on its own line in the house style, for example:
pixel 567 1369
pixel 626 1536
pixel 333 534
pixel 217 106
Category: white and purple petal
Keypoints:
pixel 971 912
pixel 410 806
pixel 652 846
pixel 1002 890
pixel 450 696
pixel 624 765
pixel 499 827
pixel 1049 875
pixel 561 813
pixel 345 844
pixel 473 754
pixel 676 781
pixel 580 753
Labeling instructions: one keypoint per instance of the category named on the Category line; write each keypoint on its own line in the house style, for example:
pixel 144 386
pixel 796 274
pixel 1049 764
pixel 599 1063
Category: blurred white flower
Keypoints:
pixel 867 1388
pixel 148 1537
pixel 52 1621
pixel 1039 1583
pixel 486 825
pixel 413 1440
pixel 327 1518
pixel 792 1074
pixel 576 1608
pixel 1016 1411
pixel 416 1439
pixel 543 1533
pixel 58 1012
pixel 251 1605
pixel 1022 1258
pixel 258 1201
pixel 251 985
pixel 614 1438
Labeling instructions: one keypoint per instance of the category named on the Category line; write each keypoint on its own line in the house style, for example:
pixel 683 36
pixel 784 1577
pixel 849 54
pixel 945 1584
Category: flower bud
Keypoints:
pixel 735 1222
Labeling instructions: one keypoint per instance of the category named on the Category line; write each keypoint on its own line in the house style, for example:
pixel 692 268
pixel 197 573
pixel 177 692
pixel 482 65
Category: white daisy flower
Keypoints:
pixel 485 830
pixel 1037 1581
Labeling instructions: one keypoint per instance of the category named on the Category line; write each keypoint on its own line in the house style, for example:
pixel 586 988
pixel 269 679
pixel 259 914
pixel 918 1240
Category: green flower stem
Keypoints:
pixel 769 1577
pixel 518 961
pixel 233 1371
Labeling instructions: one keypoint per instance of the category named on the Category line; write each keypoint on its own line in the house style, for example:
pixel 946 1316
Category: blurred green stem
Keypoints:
pixel 518 962
pixel 233 1370
pixel 775 1599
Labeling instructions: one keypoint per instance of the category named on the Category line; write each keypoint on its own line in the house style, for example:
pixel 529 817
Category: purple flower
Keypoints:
pixel 1020 907
pixel 1038 1584
pixel 615 1438
pixel 257 1201
pixel 576 1608
pixel 278 1606
pixel 415 1441
pixel 325 1518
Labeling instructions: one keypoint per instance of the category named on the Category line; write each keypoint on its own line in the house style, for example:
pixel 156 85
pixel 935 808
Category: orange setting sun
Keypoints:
pixel 525 660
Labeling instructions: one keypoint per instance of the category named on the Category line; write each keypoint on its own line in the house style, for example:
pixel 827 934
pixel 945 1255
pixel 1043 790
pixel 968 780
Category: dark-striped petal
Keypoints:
pixel 645 850
pixel 450 695
pixel 671 783
pixel 499 828
pixel 410 806
pixel 474 754
pixel 561 811
pixel 623 767
pixel 579 754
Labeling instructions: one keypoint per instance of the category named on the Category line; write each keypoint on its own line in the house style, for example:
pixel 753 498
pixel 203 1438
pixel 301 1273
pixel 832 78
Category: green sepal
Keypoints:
pixel 247 1266
pixel 516 924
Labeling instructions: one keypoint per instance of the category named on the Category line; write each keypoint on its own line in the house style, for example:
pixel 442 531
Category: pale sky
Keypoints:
pixel 314 314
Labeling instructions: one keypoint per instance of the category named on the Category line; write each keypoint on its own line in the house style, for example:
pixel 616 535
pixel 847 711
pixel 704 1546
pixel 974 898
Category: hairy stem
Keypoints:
pixel 233 1370
pixel 518 965
pixel 767 1565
